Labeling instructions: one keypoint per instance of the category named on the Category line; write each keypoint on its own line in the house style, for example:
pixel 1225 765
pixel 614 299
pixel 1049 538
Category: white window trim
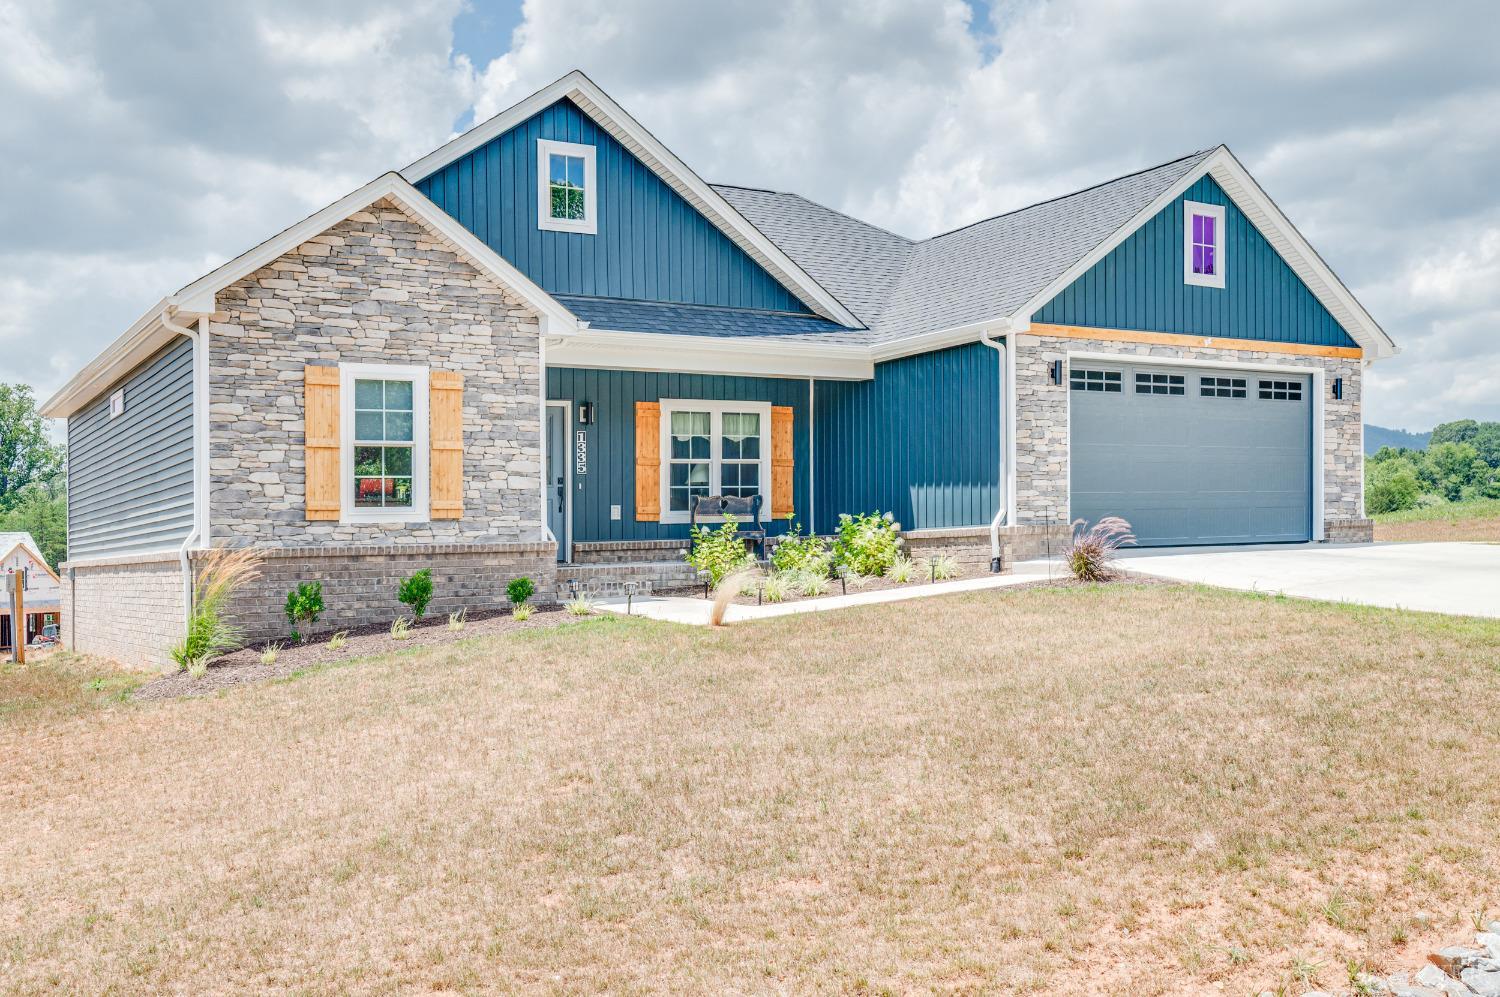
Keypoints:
pixel 1216 211
pixel 716 410
pixel 420 511
pixel 589 225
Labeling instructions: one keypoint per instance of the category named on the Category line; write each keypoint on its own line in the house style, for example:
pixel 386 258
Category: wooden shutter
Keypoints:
pixel 648 461
pixel 782 461
pixel 320 436
pixel 445 467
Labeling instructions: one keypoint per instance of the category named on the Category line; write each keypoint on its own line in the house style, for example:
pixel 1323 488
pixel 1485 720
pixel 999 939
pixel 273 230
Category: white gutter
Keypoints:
pixel 541 362
pixel 1001 512
pixel 200 530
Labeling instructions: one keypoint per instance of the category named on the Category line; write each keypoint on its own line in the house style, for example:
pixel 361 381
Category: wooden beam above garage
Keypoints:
pixel 1208 342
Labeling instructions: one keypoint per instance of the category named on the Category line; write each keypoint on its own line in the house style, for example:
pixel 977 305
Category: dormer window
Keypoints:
pixel 566 194
pixel 1203 244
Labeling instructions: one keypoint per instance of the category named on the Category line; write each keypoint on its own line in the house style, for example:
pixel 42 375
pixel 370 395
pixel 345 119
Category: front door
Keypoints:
pixel 557 475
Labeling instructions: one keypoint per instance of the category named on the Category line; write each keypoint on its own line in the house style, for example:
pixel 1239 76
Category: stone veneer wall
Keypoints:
pixel 1042 426
pixel 360 582
pixel 128 609
pixel 378 287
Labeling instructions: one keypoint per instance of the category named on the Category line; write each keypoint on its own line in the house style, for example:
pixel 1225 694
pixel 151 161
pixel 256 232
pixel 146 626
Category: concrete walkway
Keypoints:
pixel 679 609
pixel 1456 578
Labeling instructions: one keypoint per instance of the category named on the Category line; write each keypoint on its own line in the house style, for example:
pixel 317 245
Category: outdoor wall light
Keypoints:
pixel 1338 388
pixel 585 413
pixel 1055 371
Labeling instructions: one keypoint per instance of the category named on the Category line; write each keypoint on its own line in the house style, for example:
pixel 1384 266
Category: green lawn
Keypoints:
pixel 1130 788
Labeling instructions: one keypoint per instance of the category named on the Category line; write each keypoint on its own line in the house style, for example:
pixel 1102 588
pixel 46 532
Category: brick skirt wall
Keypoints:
pixel 360 582
pixel 1349 531
pixel 970 546
pixel 127 609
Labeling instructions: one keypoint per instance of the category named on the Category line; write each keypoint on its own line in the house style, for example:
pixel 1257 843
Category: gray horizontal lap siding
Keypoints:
pixel 130 479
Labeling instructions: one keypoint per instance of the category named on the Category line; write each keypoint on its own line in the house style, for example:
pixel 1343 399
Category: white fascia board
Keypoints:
pixel 941 339
pixel 704 355
pixel 1272 224
pixel 629 132
pixel 197 300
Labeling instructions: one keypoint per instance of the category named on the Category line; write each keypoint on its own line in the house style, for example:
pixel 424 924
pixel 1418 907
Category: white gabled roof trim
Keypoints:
pixel 197 300
pixel 629 132
pixel 1278 231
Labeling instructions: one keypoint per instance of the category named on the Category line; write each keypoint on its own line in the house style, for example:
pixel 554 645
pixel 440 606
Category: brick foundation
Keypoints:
pixel 1349 531
pixel 127 609
pixel 360 582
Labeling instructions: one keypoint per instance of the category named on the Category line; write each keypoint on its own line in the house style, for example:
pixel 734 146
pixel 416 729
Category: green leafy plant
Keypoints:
pixel 902 570
pixel 795 552
pixel 867 544
pixel 778 586
pixel 580 606
pixel 811 584
pixel 1092 554
pixel 269 654
pixel 304 604
pixel 522 612
pixel 416 592
pixel 209 635
pixel 938 568
pixel 520 590
pixel 338 640
pixel 719 552
pixel 400 628
pixel 457 621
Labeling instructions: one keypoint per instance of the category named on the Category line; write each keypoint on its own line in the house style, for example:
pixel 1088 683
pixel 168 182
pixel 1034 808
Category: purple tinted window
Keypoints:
pixel 1204 244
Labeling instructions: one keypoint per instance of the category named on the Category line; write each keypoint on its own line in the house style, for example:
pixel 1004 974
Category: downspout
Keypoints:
pixel 999 346
pixel 542 474
pixel 199 338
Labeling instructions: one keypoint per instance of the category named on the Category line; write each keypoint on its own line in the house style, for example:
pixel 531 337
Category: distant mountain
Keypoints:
pixel 1378 436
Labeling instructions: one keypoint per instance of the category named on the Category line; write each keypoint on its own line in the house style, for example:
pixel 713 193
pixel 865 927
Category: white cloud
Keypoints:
pixel 161 141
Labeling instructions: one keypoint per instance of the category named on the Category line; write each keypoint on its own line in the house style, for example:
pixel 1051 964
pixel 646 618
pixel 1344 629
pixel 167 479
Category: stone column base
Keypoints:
pixel 1349 531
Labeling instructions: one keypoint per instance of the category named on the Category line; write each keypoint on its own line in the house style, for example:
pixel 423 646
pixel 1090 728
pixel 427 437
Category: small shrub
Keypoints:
pixel 939 568
pixel 796 552
pixel 580 606
pixel 902 570
pixel 778 586
pixel 1091 557
pixel 522 612
pixel 269 654
pixel 720 552
pixel 457 621
pixel 810 584
pixel 1390 486
pixel 520 590
pixel 338 640
pixel 416 592
pixel 197 669
pixel 304 604
pixel 867 544
pixel 400 628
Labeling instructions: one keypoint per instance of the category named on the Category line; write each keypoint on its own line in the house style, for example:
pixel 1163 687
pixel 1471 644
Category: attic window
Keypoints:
pixel 567 199
pixel 1203 244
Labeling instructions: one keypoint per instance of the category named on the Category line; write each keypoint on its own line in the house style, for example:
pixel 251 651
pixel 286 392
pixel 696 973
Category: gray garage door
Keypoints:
pixel 1192 455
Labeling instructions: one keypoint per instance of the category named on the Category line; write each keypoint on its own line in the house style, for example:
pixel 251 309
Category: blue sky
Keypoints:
pixel 162 139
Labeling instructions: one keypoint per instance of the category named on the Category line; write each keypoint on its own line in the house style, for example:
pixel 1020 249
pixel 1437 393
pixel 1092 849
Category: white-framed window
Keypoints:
pixel 1203 244
pixel 567 195
pixel 713 448
pixel 384 445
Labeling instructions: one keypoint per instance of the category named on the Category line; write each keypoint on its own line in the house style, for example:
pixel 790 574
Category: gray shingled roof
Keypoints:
pixel 986 270
pixel 629 315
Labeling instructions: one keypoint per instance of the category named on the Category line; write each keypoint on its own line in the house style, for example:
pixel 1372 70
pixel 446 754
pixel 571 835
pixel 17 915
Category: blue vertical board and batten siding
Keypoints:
pixel 921 440
pixel 651 244
pixel 130 478
pixel 610 479
pixel 1139 286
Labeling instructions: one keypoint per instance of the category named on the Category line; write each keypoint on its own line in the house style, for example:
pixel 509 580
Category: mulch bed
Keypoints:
pixel 856 585
pixel 243 666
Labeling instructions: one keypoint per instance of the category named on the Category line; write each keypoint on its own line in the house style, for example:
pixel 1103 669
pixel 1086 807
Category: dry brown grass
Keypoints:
pixel 991 792
pixel 1480 528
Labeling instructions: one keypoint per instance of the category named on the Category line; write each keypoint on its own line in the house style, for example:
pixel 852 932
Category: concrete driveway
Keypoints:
pixel 1458 578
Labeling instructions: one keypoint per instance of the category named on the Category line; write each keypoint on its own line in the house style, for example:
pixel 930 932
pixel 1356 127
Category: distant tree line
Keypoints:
pixel 1461 462
pixel 33 486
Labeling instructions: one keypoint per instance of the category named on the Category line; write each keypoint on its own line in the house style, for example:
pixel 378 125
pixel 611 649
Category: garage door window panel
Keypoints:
pixel 1084 379
pixel 1221 387
pixel 1160 384
pixel 1281 391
